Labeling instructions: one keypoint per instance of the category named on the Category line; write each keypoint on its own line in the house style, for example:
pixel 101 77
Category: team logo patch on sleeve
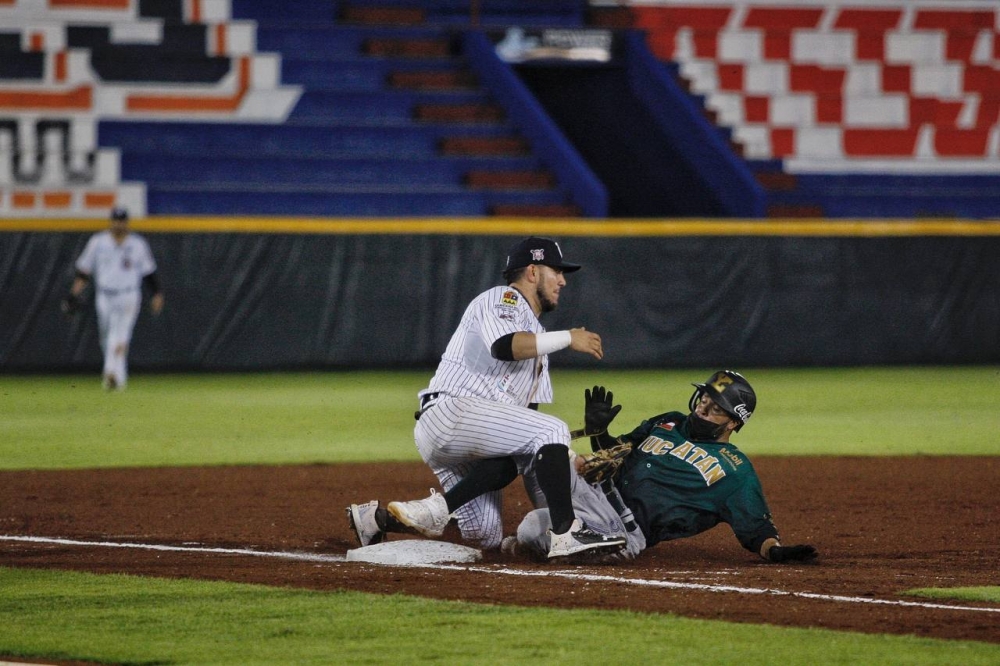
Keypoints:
pixel 510 297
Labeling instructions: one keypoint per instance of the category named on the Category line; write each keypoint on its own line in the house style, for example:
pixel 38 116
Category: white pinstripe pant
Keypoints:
pixel 455 432
pixel 116 317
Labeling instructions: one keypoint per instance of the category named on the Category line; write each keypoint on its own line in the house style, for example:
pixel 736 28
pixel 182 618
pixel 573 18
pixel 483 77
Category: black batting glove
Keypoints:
pixel 599 410
pixel 803 553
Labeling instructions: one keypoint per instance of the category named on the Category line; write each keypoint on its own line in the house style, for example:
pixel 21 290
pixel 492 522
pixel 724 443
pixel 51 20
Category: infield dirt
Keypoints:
pixel 882 526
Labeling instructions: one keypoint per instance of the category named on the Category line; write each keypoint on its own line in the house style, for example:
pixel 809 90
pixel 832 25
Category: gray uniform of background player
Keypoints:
pixel 481 410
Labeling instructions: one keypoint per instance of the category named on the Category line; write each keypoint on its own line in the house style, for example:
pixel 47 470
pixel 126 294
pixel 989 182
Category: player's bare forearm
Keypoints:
pixel 523 346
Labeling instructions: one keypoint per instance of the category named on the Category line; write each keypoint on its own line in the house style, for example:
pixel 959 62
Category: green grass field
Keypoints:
pixel 68 422
pixel 58 422
pixel 126 619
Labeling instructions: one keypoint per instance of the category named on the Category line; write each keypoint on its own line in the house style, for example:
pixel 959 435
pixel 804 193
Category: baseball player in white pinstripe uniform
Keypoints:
pixel 478 426
pixel 119 262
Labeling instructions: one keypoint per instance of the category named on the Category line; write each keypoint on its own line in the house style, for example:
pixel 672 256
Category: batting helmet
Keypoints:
pixel 731 391
pixel 119 214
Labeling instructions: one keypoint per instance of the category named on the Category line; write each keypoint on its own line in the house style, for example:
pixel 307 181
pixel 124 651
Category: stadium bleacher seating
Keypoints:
pixel 374 107
pixel 415 132
pixel 259 107
pixel 71 64
pixel 887 109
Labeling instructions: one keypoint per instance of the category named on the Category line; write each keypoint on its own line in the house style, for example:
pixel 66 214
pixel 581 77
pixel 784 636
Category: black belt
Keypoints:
pixel 426 400
pixel 115 292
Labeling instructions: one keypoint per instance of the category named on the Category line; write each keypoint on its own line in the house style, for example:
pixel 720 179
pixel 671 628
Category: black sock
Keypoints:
pixel 552 472
pixel 486 475
pixel 387 522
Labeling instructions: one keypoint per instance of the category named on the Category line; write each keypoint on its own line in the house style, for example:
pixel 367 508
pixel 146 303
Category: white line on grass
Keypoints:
pixel 640 582
pixel 306 557
pixel 719 588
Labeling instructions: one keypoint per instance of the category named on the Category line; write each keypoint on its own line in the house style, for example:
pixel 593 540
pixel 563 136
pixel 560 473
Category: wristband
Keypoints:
pixel 553 341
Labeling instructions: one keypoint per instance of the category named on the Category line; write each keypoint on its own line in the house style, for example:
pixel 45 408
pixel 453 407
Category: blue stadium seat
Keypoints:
pixel 366 136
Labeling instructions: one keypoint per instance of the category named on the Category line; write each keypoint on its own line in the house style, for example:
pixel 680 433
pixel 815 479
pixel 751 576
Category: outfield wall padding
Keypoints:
pixel 247 301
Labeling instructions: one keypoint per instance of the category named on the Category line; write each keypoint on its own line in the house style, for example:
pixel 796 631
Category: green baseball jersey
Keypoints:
pixel 678 488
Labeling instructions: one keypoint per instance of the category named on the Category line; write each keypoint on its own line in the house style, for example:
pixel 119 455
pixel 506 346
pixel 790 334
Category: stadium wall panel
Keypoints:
pixel 259 294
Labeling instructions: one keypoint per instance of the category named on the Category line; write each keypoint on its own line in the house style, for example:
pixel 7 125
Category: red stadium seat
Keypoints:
pixel 899 81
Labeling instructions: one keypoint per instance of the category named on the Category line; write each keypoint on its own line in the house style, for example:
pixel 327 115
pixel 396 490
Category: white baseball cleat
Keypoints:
pixel 579 538
pixel 363 523
pixel 428 516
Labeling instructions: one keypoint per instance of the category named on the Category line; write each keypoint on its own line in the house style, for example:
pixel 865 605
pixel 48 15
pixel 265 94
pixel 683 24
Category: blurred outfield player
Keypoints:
pixel 478 426
pixel 119 262
pixel 682 477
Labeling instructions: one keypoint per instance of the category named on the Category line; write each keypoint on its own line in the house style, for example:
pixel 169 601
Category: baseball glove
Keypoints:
pixel 604 464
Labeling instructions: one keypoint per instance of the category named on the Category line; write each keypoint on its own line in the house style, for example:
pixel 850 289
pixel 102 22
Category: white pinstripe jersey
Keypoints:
pixel 467 367
pixel 114 266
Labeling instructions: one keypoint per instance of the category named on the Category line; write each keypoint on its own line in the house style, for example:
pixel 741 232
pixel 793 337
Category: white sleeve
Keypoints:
pixel 498 314
pixel 87 261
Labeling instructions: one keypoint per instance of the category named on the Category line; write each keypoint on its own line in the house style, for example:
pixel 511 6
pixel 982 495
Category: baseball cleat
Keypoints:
pixel 428 516
pixel 364 524
pixel 580 539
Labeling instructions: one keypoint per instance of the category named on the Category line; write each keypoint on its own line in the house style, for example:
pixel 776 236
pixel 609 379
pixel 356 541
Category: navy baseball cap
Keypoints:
pixel 119 214
pixel 536 250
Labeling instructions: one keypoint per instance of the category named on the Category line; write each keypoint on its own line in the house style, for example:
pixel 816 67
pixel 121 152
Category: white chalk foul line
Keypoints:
pixel 305 557
pixel 703 587
pixel 639 582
